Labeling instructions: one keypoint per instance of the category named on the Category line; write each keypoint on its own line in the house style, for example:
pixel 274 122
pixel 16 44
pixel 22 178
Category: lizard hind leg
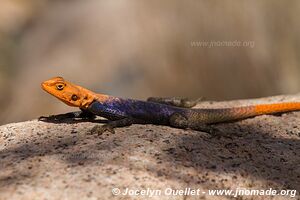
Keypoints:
pixel 178 120
pixel 176 101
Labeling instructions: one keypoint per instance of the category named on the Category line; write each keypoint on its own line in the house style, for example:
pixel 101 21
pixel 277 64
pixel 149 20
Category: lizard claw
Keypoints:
pixel 49 118
pixel 101 129
pixel 42 118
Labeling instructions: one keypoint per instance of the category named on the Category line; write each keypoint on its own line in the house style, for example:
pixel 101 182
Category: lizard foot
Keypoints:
pixel 100 129
pixel 189 103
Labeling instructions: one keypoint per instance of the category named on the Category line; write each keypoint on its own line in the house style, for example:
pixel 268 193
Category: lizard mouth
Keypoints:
pixel 46 88
pixel 43 85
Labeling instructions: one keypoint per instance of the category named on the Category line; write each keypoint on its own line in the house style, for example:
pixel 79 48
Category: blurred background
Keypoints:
pixel 217 49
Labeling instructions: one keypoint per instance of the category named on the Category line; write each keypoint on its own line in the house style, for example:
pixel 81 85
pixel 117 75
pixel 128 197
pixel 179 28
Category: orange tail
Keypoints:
pixel 236 113
pixel 276 108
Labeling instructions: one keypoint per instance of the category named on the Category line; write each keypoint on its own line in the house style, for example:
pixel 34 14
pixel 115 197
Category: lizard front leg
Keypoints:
pixel 176 101
pixel 83 114
pixel 100 129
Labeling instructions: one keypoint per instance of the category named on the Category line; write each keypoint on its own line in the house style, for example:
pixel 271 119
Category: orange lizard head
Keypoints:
pixel 69 93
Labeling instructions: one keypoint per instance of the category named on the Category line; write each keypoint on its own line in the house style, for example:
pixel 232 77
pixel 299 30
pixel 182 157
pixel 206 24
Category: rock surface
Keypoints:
pixel 40 160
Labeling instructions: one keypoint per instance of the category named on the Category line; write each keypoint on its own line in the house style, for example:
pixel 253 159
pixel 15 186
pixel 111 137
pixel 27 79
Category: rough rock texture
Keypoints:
pixel 40 160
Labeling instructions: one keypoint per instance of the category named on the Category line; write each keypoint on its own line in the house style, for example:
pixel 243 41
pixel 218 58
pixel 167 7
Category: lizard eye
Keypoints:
pixel 74 97
pixel 60 86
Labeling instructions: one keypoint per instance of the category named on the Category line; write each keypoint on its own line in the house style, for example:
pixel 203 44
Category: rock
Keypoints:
pixel 61 161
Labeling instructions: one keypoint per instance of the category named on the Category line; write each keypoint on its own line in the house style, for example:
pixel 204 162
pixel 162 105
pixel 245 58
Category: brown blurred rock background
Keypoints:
pixel 145 48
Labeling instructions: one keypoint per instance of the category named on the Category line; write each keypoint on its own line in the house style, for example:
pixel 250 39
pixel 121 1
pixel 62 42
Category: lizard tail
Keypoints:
pixel 276 108
pixel 208 116
pixel 261 109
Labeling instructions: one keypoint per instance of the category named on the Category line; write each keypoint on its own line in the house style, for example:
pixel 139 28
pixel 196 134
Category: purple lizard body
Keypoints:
pixel 117 108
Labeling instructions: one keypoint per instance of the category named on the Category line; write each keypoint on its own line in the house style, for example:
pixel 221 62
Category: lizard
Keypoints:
pixel 174 112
